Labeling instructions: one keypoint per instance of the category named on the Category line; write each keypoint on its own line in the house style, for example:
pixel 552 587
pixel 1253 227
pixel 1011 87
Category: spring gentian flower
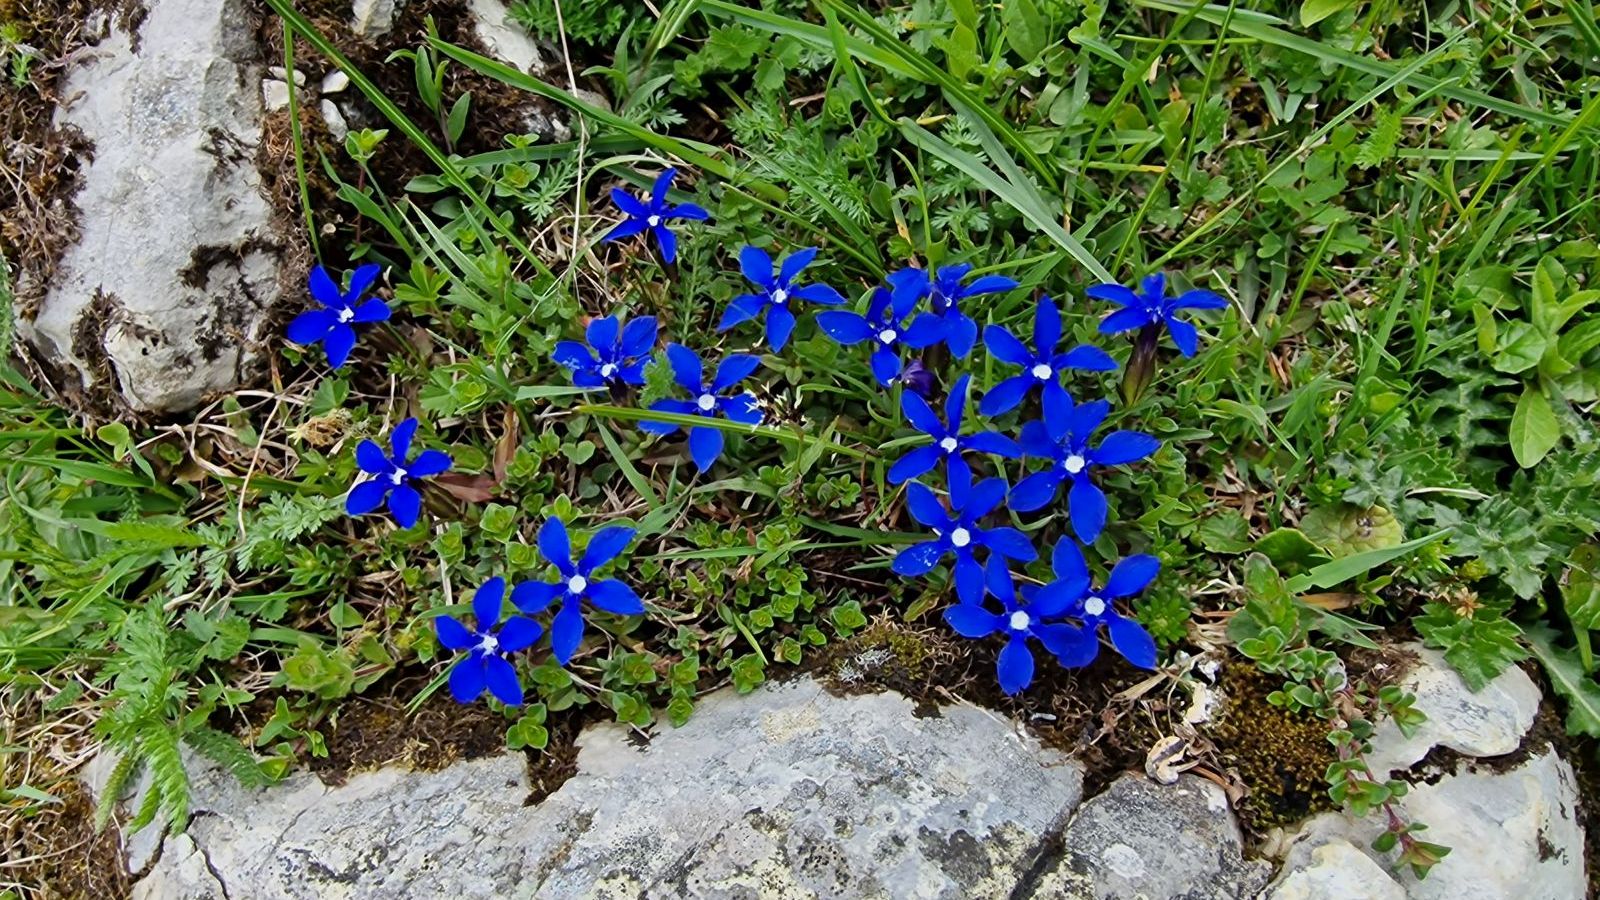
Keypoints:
pixel 1063 439
pixel 1073 591
pixel 393 477
pixel 916 377
pixel 485 665
pixel 1042 366
pixel 946 321
pixel 948 441
pixel 653 215
pixel 577 584
pixel 958 532
pixel 1152 306
pixel 884 325
pixel 705 444
pixel 331 325
pixel 1018 623
pixel 778 293
pixel 619 355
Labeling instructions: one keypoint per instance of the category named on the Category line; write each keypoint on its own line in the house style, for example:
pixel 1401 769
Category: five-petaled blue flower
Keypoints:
pixel 1073 591
pixel 485 665
pixel 884 325
pixel 959 533
pixel 392 477
pixel 577 584
pixel 778 293
pixel 948 441
pixel 1019 622
pixel 1042 366
pixel 705 444
pixel 619 355
pixel 1152 306
pixel 332 325
pixel 1062 437
pixel 653 215
pixel 946 322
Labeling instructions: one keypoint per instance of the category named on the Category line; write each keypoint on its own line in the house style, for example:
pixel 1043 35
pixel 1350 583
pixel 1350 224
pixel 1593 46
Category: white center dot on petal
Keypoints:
pixel 607 370
pixel 949 445
pixel 887 335
pixel 397 476
pixel 706 402
pixel 1094 606
pixel 960 537
pixel 489 644
pixel 577 583
pixel 653 221
pixel 1073 464
pixel 346 314
pixel 1020 621
pixel 1042 371
pixel 780 296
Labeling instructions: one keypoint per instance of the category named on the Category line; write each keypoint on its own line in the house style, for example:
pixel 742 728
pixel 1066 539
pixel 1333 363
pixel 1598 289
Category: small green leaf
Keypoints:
pixel 1314 11
pixel 1026 30
pixel 1225 532
pixel 1534 429
pixel 1521 347
pixel 457 123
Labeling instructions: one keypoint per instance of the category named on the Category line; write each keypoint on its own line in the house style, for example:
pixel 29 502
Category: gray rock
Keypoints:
pixel 1490 722
pixel 274 94
pixel 374 18
pixel 163 295
pixel 790 792
pixel 503 38
pixel 1335 870
pixel 334 82
pixel 1513 835
pixel 1145 841
pixel 334 119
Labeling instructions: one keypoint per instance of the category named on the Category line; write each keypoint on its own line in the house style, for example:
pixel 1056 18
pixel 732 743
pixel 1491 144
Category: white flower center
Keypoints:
pixel 397 476
pixel 706 402
pixel 607 370
pixel 887 335
pixel 489 644
pixel 1094 606
pixel 949 445
pixel 576 584
pixel 960 537
pixel 1073 464
pixel 779 296
pixel 653 221
pixel 346 314
pixel 1042 371
pixel 1019 621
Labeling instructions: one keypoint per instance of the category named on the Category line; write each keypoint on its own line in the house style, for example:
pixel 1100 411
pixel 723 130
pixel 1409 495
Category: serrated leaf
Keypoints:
pixel 1225 532
pixel 1534 429
pixel 1346 529
pixel 1569 680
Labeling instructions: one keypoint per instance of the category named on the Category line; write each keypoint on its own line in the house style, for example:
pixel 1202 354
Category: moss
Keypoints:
pixel 1282 757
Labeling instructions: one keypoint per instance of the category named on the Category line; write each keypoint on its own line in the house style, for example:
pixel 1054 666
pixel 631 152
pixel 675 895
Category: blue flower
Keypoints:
pixel 884 325
pixel 1063 439
pixel 652 215
pixel 485 665
pixel 945 292
pixel 620 355
pixel 577 584
pixel 1151 306
pixel 1018 623
pixel 778 293
pixel 1073 591
pixel 948 441
pixel 916 377
pixel 705 444
pixel 331 325
pixel 958 533
pixel 1042 366
pixel 392 477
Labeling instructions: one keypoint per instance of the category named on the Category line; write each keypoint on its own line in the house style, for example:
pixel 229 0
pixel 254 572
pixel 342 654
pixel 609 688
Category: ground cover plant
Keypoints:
pixel 1044 345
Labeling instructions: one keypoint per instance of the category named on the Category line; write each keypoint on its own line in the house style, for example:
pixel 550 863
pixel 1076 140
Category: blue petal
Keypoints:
pixel 613 596
pixel 988 284
pixel 534 597
pixel 925 331
pixel 1073 647
pixel 736 368
pixel 845 327
pixel 1086 418
pixel 1132 575
pixel 992 442
pixel 573 355
pixel 361 280
pixel 340 341
pixel 1122 447
pixel 1010 543
pixel 694 212
pixel 668 242
pixel 405 504
pixel 501 677
pixel 467 678
pixel 705 445
pixel 1184 336
pixel 602 334
pixel 1036 441
pixel 780 324
pixel 630 205
pixel 1015 666
pixel 555 546
pixel 997 577
pixel 820 293
pixel 1087 358
pixel 920 415
pixel 1057 597
pixel 968 579
pixel 1114 293
pixel 486 602
pixel 1004 346
pixel 925 506
pixel 1035 491
pixel 885 365
pixel 324 290
pixel 452 634
pixel 518 633
pixel 1132 641
pixel 658 191
pixel 1087 506
pixel 638 336
pixel 742 408
pixel 627 228
pixel 908 285
pixel 606 544
pixel 1058 409
pixel 756 266
pixel 1067 561
pixel 429 463
pixel 742 308
pixel 1125 320
pixel 1046 325
pixel 960 334
pixel 566 632
pixel 366 497
pixel 955 405
pixel 681 407
pixel 686 368
pixel 795 263
pixel 1199 299
pixel 369 456
pixel 983 498
pixel 1154 285
pixel 917 559
pixel 917 462
pixel 312 325
pixel 971 620
pixel 400 439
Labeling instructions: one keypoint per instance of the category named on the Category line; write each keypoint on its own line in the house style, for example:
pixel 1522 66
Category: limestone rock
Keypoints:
pixel 162 297
pixel 789 792
pixel 1490 722
pixel 503 38
pixel 1335 871
pixel 374 18
pixel 1145 841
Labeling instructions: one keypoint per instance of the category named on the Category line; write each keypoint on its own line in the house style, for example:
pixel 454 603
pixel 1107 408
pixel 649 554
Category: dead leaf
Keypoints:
pixel 467 488
pixel 506 447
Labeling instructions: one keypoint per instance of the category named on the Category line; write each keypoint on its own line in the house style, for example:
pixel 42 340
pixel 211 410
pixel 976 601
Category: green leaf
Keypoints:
pixel 1521 347
pixel 1341 570
pixel 457 123
pixel 1534 429
pixel 1289 548
pixel 1580 589
pixel 1479 647
pixel 1314 11
pixel 1026 30
pixel 1225 532
pixel 1569 680
pixel 1347 529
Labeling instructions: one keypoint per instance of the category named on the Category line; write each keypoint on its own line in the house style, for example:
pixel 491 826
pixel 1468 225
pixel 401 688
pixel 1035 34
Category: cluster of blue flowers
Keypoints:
pixel 914 309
